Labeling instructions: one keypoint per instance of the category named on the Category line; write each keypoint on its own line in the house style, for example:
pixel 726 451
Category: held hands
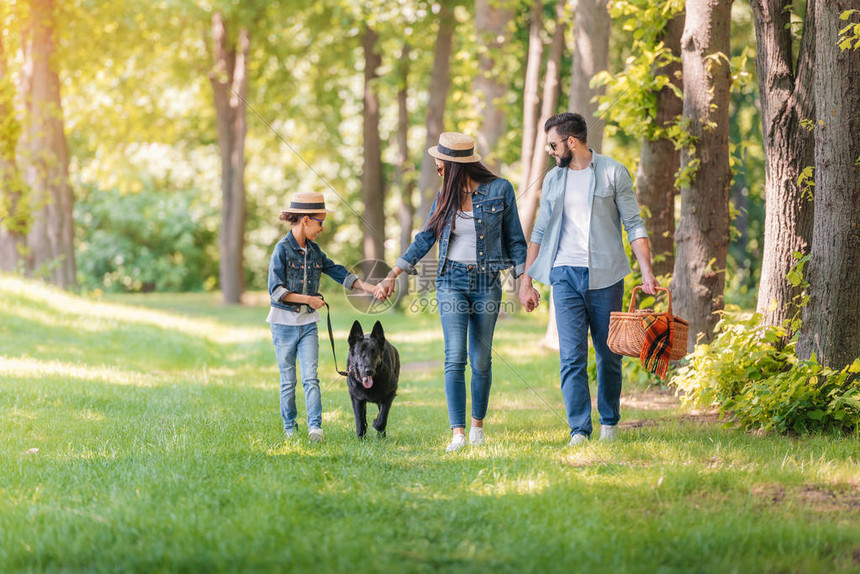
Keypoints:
pixel 529 296
pixel 384 288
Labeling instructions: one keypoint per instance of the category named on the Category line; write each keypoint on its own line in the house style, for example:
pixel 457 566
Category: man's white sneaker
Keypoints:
pixel 577 439
pixel 608 432
pixel 476 436
pixel 316 435
pixel 458 442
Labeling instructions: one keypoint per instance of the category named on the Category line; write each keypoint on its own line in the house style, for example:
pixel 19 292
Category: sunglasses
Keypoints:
pixel 550 146
pixel 320 221
pixel 440 169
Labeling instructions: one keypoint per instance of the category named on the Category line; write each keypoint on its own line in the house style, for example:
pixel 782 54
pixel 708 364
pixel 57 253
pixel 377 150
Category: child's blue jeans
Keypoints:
pixel 302 343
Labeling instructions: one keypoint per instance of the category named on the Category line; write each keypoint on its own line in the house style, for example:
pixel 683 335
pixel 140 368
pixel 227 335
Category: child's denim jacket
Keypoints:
pixel 296 270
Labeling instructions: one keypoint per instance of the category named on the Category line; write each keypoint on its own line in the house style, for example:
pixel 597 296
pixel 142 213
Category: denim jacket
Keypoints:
pixel 612 202
pixel 499 235
pixel 296 270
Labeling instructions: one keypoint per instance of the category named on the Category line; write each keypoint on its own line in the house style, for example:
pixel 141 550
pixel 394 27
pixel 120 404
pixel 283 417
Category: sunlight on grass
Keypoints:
pixel 32 368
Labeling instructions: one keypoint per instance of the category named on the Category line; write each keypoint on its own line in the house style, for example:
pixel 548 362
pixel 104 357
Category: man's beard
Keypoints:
pixel 564 160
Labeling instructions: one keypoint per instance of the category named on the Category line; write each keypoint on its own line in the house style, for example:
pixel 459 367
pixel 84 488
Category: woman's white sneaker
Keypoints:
pixel 476 436
pixel 458 442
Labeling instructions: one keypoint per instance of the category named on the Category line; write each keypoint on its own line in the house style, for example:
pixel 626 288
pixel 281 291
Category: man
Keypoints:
pixel 576 247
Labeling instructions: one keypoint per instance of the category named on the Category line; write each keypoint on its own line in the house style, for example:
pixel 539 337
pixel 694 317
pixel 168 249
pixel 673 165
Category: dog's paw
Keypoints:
pixel 381 434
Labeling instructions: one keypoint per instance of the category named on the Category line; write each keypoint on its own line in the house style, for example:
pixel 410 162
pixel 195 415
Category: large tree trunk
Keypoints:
pixel 659 161
pixel 229 87
pixel 440 81
pixel 490 86
pixel 529 196
pixel 531 99
pixel 786 100
pixel 13 220
pixel 405 180
pixel 51 252
pixel 372 186
pixel 591 26
pixel 703 231
pixel 831 320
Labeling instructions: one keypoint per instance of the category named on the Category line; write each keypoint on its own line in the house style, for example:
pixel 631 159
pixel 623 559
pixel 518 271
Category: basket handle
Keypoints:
pixel 638 287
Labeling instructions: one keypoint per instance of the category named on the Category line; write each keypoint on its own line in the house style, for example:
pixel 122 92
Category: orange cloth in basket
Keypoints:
pixel 658 343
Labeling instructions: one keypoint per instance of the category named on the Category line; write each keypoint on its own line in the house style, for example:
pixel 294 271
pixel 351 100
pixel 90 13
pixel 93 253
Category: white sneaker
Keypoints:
pixel 476 436
pixel 316 435
pixel 577 439
pixel 458 442
pixel 290 434
pixel 608 432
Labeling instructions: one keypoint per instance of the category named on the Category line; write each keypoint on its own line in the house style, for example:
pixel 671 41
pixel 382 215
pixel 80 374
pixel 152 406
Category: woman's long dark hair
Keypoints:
pixel 456 177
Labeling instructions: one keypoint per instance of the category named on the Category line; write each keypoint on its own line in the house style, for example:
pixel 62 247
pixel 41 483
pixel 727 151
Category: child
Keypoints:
pixel 294 277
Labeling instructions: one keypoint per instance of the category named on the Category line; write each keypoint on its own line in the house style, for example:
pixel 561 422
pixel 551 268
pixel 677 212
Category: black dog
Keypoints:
pixel 373 368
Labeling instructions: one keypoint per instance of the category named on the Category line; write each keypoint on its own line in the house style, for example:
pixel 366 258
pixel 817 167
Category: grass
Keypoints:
pixel 159 449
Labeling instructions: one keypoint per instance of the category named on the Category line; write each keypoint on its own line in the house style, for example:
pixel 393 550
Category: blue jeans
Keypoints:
pixel 576 310
pixel 469 302
pixel 300 342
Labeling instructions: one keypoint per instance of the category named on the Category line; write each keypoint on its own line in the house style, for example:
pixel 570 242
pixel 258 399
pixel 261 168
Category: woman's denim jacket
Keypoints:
pixel 296 270
pixel 498 233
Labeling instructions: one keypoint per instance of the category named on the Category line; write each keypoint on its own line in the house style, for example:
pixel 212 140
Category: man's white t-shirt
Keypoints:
pixel 573 244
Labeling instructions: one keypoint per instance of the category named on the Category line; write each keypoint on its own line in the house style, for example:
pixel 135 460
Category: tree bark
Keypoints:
pixel 591 27
pixel 13 218
pixel 405 181
pixel 372 186
pixel 440 81
pixel 786 99
pixel 831 320
pixel 531 98
pixel 529 196
pixel 229 88
pixel 490 89
pixel 51 252
pixel 659 161
pixel 703 231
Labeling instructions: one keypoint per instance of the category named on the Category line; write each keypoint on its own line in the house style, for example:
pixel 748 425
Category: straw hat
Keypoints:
pixel 455 147
pixel 307 202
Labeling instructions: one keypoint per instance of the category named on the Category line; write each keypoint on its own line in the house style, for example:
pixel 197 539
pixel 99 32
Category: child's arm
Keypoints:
pixel 368 288
pixel 314 301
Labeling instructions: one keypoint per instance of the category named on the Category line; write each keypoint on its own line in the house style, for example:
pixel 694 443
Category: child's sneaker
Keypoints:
pixel 290 434
pixel 458 442
pixel 316 435
pixel 608 432
pixel 476 436
pixel 577 439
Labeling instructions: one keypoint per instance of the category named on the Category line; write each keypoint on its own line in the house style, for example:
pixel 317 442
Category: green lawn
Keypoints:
pixel 159 449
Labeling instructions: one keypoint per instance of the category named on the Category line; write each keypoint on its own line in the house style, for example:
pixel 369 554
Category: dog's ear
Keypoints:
pixel 377 332
pixel 355 333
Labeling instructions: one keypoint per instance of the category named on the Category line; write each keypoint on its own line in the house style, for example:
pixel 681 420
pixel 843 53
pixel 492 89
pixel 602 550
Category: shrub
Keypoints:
pixel 761 383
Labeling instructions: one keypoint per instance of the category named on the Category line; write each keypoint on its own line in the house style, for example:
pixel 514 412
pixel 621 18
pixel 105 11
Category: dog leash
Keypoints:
pixel 331 334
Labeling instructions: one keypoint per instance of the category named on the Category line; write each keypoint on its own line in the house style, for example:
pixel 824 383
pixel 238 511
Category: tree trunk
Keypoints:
pixel 440 81
pixel 51 252
pixel 372 190
pixel 659 161
pixel 529 196
pixel 786 100
pixel 591 26
pixel 531 99
pixel 229 87
pixel 405 181
pixel 703 231
pixel 490 86
pixel 13 218
pixel 831 320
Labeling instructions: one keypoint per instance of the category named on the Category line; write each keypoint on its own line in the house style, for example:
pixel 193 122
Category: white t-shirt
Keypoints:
pixel 463 243
pixel 573 244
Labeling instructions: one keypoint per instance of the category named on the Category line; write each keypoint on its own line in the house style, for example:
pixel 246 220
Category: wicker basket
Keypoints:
pixel 627 335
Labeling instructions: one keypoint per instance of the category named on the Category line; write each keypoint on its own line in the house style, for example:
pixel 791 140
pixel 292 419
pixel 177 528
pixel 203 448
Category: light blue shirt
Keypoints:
pixel 611 202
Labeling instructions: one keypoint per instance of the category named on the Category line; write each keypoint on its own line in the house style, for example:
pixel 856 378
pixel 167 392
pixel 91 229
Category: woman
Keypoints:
pixel 475 220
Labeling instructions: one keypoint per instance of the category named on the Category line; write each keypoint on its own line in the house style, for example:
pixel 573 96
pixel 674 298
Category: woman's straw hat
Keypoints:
pixel 307 202
pixel 455 147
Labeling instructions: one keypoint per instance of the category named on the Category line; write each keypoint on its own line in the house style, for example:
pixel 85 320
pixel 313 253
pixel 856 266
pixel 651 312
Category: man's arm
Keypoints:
pixel 642 250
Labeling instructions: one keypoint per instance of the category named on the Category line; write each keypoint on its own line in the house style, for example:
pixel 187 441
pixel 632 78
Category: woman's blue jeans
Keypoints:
pixel 578 308
pixel 469 302
pixel 300 343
